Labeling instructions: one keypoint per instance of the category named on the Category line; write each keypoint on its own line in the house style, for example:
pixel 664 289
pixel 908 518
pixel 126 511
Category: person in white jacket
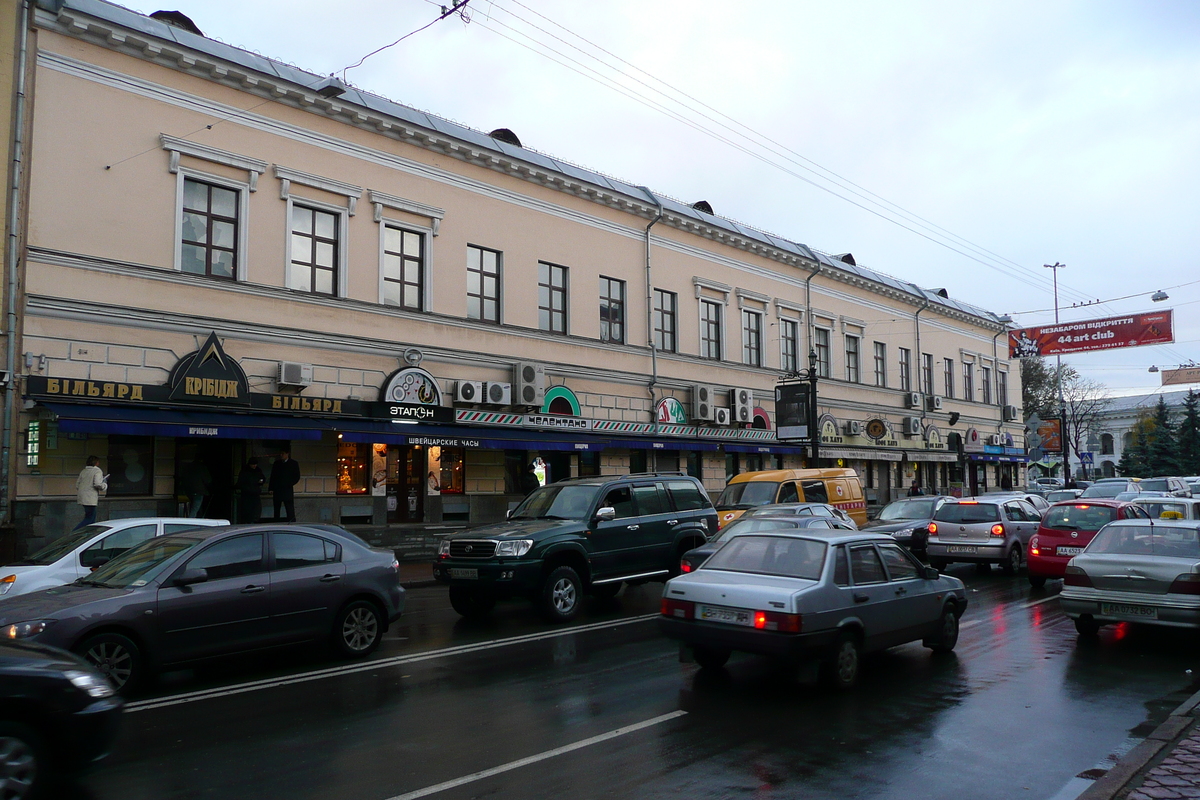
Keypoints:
pixel 90 484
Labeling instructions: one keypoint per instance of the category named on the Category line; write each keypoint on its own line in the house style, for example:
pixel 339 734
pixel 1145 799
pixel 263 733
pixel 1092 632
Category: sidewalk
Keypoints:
pixel 1165 766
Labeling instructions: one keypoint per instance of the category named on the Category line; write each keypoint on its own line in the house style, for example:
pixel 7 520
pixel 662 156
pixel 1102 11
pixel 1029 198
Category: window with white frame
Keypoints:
pixel 985 380
pixel 710 329
pixel 1002 387
pixel 789 344
pixel 552 297
pixel 666 306
pixel 906 384
pixel 403 268
pixel 948 374
pixel 314 251
pixel 881 364
pixel 927 373
pixel 853 367
pixel 968 381
pixel 824 356
pixel 751 337
pixel 483 284
pixel 612 310
pixel 209 229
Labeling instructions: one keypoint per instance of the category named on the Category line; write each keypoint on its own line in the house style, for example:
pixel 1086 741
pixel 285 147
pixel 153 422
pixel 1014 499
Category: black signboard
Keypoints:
pixel 410 411
pixel 209 376
pixel 792 411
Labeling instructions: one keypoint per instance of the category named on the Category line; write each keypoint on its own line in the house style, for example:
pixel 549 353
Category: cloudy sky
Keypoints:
pixel 976 141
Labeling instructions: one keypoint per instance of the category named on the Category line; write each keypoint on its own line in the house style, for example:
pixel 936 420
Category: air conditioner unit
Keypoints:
pixel 912 426
pixel 702 403
pixel 529 380
pixel 497 394
pixel 722 416
pixel 293 373
pixel 1010 413
pixel 933 403
pixel 912 400
pixel 995 440
pixel 854 428
pixel 468 392
pixel 741 406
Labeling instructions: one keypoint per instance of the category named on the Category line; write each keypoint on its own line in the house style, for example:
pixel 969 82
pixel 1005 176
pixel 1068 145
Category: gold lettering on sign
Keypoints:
pixel 52 386
pixel 276 401
pixel 110 390
pixel 79 387
pixel 337 406
pixel 93 390
pixel 210 387
pixel 136 394
pixel 122 391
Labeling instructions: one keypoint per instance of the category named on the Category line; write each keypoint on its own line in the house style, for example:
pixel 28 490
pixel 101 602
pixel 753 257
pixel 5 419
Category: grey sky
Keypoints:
pixel 1042 132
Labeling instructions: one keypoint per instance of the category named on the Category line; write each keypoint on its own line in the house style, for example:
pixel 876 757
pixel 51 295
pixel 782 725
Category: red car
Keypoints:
pixel 1066 529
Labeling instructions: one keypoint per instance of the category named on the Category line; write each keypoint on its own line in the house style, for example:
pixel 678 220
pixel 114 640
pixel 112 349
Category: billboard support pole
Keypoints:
pixel 1062 405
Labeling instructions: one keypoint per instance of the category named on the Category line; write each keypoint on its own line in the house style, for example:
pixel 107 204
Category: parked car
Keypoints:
pixel 1171 507
pixel 982 532
pixel 831 595
pixel 1050 483
pixel 1066 529
pixel 757 523
pixel 588 534
pixel 1109 488
pixel 79 552
pixel 839 487
pixel 803 510
pixel 1138 570
pixel 209 592
pixel 1038 501
pixel 1062 495
pixel 58 715
pixel 1176 487
pixel 907 520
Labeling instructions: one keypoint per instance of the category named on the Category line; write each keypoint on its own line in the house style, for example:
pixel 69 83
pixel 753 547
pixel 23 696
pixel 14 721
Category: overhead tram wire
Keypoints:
pixel 457 8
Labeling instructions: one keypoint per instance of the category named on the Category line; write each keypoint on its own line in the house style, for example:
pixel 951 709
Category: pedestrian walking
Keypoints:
pixel 915 490
pixel 285 474
pixel 529 480
pixel 250 484
pixel 90 484
pixel 197 485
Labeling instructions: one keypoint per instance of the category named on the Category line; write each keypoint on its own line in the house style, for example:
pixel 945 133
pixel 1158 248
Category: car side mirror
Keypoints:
pixel 606 513
pixel 190 576
pixel 930 573
pixel 508 514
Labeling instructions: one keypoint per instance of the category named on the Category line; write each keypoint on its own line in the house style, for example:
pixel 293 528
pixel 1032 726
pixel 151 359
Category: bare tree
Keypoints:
pixel 1085 400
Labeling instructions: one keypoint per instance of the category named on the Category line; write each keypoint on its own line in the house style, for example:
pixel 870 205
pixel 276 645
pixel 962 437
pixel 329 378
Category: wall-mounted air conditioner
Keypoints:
pixel 722 416
pixel 529 383
pixel 741 405
pixel 293 373
pixel 933 403
pixel 912 426
pixel 912 400
pixel 497 394
pixel 468 391
pixel 702 403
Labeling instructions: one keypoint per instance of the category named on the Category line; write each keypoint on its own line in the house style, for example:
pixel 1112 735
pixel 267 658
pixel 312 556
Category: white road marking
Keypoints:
pixel 1033 603
pixel 523 762
pixel 973 622
pixel 367 666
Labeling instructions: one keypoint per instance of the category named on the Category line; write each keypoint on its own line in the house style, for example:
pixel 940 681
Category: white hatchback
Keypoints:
pixel 74 555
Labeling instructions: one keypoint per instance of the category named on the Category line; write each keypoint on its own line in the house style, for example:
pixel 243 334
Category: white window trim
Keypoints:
pixel 722 346
pixel 343 214
pixel 699 284
pixel 243 220
pixel 846 337
pixel 754 301
pixel 177 147
pixel 381 200
pixel 499 286
pixel 849 323
pixel 762 355
pixel 813 347
pixel 427 235
pixel 790 310
pixel 289 176
pixel 782 319
pixel 886 382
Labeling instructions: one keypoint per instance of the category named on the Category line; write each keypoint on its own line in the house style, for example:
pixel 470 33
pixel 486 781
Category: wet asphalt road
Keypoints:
pixel 1016 712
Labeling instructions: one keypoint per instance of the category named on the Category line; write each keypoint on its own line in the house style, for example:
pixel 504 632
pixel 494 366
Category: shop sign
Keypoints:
pixel 1172 377
pixel 1134 330
pixel 933 439
pixel 412 386
pixel 558 422
pixel 209 376
pixel 791 411
pixel 876 429
pixel 409 411
pixel 443 441
pixel 670 412
pixel 830 432
pixel 294 402
pixel 972 441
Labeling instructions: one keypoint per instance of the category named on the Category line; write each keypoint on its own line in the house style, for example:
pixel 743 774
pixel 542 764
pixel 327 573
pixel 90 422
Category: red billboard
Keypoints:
pixel 1133 330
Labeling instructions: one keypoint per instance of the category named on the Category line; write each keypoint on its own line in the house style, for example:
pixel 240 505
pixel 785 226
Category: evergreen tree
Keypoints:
pixel 1188 437
pixel 1162 447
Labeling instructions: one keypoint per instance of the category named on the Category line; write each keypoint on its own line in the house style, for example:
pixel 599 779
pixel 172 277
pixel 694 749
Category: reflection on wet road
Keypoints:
pixel 515 709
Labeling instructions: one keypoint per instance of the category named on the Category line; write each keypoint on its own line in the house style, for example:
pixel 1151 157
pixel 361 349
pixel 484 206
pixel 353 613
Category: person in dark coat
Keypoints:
pixel 915 490
pixel 285 474
pixel 529 480
pixel 250 484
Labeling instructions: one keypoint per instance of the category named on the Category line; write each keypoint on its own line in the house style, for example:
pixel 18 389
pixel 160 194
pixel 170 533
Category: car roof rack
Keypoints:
pixel 667 473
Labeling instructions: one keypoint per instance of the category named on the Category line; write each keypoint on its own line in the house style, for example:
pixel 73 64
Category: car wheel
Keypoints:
pixel 606 591
pixel 1012 564
pixel 711 657
pixel 471 603
pixel 1086 625
pixel 116 656
pixel 23 757
pixel 939 564
pixel 1037 581
pixel 560 594
pixel 947 636
pixel 358 629
pixel 841 666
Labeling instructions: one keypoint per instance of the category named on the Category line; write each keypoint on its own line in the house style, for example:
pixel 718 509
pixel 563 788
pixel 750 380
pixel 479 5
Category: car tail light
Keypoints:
pixel 998 530
pixel 685 566
pixel 933 529
pixel 683 609
pixel 774 621
pixel 1085 507
pixel 1187 583
pixel 1033 547
pixel 1075 576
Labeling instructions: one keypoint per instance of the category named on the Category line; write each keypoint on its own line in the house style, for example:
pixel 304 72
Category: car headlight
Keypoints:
pixel 6 583
pixel 514 547
pixel 23 630
pixel 95 685
pixel 444 548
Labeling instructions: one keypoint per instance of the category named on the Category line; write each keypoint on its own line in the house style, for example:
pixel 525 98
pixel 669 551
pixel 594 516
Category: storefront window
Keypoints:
pixel 695 466
pixel 130 465
pixel 637 461
pixel 589 463
pixel 453 470
pixel 353 467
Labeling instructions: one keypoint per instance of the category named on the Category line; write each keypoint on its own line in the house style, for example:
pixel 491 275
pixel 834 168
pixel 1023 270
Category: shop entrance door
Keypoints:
pixel 406 484
pixel 558 465
pixel 211 459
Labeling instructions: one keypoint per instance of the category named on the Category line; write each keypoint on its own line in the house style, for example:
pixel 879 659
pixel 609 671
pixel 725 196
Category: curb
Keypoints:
pixel 1127 768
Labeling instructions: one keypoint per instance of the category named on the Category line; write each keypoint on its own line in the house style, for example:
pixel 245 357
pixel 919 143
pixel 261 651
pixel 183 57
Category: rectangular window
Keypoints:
pixel 353 467
pixel 665 305
pixel 880 364
pixel 130 466
pixel 1002 388
pixel 852 354
pixel 403 268
pixel 821 342
pixel 552 297
pixel 483 284
pixel 710 329
pixel 789 339
pixel 210 229
pixel 612 310
pixel 927 373
pixel 949 370
pixel 985 378
pixel 968 381
pixel 314 264
pixel 905 370
pixel 751 338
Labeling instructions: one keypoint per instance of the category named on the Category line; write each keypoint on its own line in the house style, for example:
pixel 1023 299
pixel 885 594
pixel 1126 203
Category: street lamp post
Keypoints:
pixel 814 433
pixel 1062 405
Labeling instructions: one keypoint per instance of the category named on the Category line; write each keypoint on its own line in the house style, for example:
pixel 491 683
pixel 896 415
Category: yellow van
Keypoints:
pixel 838 487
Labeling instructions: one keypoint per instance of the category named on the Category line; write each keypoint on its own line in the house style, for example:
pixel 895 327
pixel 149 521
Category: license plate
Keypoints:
pixel 730 616
pixel 463 572
pixel 1069 551
pixel 962 548
pixel 1122 610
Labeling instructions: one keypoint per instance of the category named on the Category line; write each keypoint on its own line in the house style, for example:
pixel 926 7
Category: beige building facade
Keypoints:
pixel 227 257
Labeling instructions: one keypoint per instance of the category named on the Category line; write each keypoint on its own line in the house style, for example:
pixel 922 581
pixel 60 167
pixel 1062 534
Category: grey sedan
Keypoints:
pixel 1136 570
pixel 798 594
pixel 215 591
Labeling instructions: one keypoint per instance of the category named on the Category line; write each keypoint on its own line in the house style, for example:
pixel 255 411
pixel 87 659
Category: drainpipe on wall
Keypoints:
pixel 14 217
pixel 650 309
pixel 808 309
pixel 920 365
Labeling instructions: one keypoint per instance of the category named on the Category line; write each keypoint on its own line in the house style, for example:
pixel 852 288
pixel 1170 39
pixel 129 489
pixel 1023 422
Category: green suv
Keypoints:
pixel 586 534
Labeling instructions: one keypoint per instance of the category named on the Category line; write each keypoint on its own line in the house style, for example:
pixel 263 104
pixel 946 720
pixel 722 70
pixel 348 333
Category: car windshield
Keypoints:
pixel 137 566
pixel 60 547
pixel 1157 540
pixel 558 501
pixel 1154 485
pixel 770 555
pixel 1078 517
pixel 1104 490
pixel 1058 497
pixel 1165 509
pixel 967 513
pixel 907 509
pixel 756 525
pixel 747 494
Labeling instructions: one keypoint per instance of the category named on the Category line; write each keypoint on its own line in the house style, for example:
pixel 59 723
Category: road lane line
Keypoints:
pixel 367 666
pixel 524 762
pixel 977 621
pixel 1033 603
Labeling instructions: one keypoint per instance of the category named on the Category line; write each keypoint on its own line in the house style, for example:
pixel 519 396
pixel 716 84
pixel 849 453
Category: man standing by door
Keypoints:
pixel 285 474
pixel 90 484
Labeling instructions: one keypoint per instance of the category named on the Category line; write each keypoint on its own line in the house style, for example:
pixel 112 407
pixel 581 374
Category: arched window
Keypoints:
pixel 1127 440
pixel 1108 470
pixel 1106 444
